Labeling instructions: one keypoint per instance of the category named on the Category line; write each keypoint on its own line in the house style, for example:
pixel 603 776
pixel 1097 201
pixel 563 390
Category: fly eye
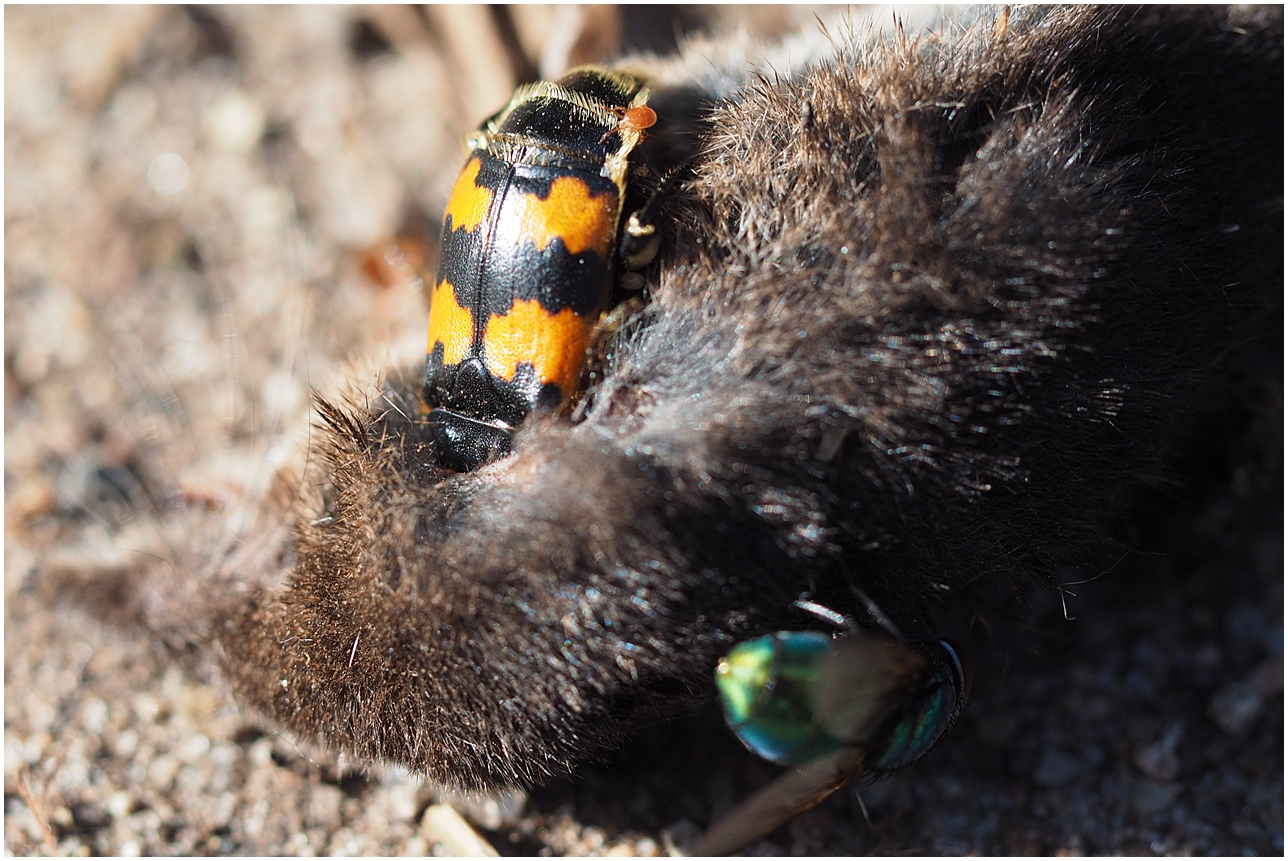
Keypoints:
pixel 931 710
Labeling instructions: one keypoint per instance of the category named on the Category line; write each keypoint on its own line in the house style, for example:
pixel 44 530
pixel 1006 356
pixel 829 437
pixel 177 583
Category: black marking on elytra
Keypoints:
pixel 555 278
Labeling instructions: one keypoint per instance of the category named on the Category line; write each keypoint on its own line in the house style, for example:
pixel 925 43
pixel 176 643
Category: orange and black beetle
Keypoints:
pixel 529 248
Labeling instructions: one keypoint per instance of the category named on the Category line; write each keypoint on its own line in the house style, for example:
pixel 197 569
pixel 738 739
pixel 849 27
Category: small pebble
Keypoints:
pixel 402 801
pixel 1072 847
pixel 489 812
pixel 34 749
pixel 119 804
pixel 1159 760
pixel 222 811
pixel 593 838
pixel 94 717
pixel 235 123
pixel 145 707
pixel 162 769
pixel 168 173
pixel 678 839
pixel 441 824
pixel 260 753
pixel 1236 707
pixel 222 756
pixel 344 842
pixel 125 743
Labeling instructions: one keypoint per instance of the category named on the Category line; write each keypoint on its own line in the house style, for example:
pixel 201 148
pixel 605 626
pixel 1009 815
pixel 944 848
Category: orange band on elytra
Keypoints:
pixel 584 221
pixel 555 344
pixel 449 324
pixel 469 204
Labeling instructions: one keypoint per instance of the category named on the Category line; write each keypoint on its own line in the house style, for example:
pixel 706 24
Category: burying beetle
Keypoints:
pixel 530 248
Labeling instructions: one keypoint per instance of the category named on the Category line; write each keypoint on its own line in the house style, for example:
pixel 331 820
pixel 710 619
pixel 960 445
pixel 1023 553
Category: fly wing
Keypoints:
pixel 865 680
pixel 789 796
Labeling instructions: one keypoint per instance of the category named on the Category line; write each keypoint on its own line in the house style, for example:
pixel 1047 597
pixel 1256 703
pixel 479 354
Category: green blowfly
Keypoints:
pixel 830 708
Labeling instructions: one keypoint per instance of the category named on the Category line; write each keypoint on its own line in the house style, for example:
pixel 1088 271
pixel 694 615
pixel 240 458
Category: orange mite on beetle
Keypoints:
pixel 637 118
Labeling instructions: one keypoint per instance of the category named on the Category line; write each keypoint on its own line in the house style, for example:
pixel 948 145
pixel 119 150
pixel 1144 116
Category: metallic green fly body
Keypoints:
pixel 831 708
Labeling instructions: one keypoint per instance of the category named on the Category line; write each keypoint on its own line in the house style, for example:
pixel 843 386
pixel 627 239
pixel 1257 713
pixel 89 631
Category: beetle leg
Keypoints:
pixel 640 238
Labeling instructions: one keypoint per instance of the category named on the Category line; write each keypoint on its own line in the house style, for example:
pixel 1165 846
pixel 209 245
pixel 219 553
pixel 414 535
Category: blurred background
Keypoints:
pixel 208 211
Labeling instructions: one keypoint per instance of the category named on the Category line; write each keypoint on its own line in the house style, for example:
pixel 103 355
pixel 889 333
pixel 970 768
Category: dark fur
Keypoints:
pixel 923 317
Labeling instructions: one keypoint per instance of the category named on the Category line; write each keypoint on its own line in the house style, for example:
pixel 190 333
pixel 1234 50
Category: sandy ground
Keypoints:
pixel 197 211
